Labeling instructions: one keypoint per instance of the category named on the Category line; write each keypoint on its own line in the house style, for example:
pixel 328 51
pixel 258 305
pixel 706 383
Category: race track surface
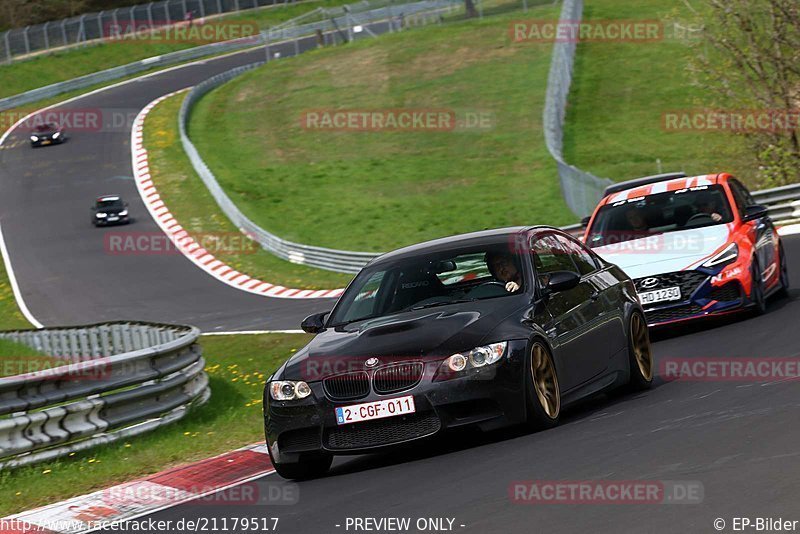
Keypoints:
pixel 65 273
pixel 739 439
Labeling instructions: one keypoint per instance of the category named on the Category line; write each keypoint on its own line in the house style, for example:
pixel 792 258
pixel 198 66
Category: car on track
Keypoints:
pixel 486 329
pixel 110 209
pixel 47 134
pixel 695 246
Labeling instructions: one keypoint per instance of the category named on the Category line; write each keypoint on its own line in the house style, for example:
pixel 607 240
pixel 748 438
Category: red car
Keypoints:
pixel 695 246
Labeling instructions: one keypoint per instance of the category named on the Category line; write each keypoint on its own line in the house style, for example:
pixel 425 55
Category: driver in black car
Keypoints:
pixel 503 267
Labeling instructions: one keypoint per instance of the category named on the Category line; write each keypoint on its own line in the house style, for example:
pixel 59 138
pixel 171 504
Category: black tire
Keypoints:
pixel 757 295
pixel 311 465
pixel 543 395
pixel 640 354
pixel 785 284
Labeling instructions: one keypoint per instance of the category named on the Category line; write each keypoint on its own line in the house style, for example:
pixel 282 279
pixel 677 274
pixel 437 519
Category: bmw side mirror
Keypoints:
pixel 585 221
pixel 314 324
pixel 562 281
pixel 752 213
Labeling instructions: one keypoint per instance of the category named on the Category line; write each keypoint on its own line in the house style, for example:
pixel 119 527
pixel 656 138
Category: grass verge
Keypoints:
pixel 11 317
pixel 620 92
pixel 198 213
pixel 378 190
pixel 69 63
pixel 237 366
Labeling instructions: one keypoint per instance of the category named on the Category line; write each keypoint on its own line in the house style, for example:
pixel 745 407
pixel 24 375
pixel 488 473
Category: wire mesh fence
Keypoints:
pixel 116 23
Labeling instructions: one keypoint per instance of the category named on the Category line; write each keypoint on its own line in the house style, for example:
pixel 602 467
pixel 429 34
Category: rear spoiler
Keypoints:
pixel 638 182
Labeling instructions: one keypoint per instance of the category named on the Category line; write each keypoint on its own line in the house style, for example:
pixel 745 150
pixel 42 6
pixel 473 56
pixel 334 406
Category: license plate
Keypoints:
pixel 660 295
pixel 47 142
pixel 375 410
pixel 113 218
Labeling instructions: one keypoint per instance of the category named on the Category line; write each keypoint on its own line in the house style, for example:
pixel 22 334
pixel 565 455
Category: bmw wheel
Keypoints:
pixel 544 394
pixel 640 353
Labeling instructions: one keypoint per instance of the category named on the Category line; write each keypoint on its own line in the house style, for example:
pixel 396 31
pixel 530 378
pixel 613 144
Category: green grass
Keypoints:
pixel 11 317
pixel 16 359
pixel 376 191
pixel 193 206
pixel 237 366
pixel 46 69
pixel 620 92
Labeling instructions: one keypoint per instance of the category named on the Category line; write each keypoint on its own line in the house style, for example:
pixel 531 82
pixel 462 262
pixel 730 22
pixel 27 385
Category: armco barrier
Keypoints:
pixel 324 258
pixel 582 190
pixel 125 378
pixel 122 71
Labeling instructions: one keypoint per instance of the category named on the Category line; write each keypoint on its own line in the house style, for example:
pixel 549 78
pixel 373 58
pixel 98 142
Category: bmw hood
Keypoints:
pixel 665 253
pixel 430 334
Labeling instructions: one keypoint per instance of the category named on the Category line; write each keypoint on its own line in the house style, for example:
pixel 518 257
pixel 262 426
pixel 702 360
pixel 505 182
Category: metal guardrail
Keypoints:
pixel 116 23
pixel 125 378
pixel 324 258
pixel 583 190
pixel 122 71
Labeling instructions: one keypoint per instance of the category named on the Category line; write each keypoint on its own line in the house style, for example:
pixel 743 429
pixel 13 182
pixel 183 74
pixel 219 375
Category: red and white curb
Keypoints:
pixel 181 238
pixel 789 229
pixel 194 482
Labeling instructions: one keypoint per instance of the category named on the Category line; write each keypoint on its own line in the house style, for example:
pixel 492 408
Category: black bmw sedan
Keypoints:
pixel 108 210
pixel 47 134
pixel 486 329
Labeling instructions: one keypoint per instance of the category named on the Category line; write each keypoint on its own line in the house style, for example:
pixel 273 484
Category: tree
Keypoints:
pixel 751 58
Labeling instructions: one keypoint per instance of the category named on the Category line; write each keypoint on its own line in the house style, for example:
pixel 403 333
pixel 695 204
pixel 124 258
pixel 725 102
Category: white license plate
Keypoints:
pixel 660 295
pixel 375 410
pixel 46 142
pixel 113 218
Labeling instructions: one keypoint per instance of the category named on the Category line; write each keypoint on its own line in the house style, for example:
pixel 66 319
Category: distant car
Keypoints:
pixel 695 246
pixel 110 209
pixel 485 330
pixel 47 134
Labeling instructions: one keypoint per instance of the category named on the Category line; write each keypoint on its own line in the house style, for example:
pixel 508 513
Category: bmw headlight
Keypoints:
pixel 123 213
pixel 284 390
pixel 101 215
pixel 727 255
pixel 474 359
pixel 56 135
pixel 34 138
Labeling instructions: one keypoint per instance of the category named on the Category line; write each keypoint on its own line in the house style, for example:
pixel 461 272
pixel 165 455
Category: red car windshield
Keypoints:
pixel 671 211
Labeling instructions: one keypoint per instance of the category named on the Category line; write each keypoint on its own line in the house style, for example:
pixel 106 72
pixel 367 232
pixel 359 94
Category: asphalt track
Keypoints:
pixel 64 268
pixel 738 439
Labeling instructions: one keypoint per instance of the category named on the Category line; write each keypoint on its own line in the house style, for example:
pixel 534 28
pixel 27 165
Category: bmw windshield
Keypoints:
pixel 429 281
pixel 671 211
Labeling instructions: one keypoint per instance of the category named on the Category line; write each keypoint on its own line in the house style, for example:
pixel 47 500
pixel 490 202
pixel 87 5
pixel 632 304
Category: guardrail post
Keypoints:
pixel 150 15
pixel 81 30
pixel 8 46
pixel 219 6
pixel 202 5
pixel 27 42
pixel 166 14
pixel 100 24
pixel 46 37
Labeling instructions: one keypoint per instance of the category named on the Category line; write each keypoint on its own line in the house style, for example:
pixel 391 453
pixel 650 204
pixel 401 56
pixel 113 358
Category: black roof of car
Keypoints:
pixel 49 127
pixel 482 237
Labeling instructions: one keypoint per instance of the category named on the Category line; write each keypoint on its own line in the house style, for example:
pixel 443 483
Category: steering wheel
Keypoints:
pixel 487 289
pixel 699 216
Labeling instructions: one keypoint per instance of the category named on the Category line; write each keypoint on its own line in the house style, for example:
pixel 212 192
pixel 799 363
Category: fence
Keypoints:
pixel 125 379
pixel 337 23
pixel 121 21
pixel 581 190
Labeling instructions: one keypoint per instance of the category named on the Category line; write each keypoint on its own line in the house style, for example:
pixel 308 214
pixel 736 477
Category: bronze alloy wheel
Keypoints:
pixel 640 342
pixel 545 382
